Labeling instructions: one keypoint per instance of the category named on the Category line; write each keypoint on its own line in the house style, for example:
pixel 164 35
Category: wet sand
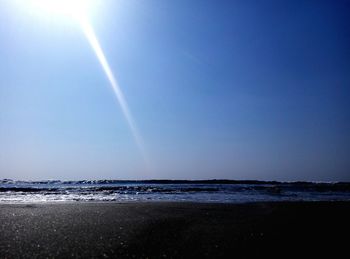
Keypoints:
pixel 174 230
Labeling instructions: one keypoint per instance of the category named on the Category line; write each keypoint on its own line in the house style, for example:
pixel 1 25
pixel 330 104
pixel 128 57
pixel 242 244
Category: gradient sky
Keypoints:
pixel 218 89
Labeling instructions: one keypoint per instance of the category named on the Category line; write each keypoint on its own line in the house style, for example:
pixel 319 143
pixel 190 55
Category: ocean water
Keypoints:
pixel 221 191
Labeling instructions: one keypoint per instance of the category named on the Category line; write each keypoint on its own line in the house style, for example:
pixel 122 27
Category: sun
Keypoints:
pixel 79 10
pixel 74 8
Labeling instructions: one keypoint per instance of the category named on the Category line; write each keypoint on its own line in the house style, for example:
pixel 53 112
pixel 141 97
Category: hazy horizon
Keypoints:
pixel 241 90
pixel 211 180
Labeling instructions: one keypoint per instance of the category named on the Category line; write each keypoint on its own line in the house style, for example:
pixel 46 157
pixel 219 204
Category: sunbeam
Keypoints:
pixel 91 36
pixel 78 10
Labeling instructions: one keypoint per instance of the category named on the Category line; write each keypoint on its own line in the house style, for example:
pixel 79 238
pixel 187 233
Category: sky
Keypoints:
pixel 242 89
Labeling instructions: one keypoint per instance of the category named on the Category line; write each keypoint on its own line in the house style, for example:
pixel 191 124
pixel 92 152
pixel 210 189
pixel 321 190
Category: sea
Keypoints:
pixel 206 191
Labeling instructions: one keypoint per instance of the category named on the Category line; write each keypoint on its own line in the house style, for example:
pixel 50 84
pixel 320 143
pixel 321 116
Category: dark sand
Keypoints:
pixel 175 230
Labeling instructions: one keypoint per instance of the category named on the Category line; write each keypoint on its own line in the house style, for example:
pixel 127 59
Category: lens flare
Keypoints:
pixel 92 39
pixel 78 10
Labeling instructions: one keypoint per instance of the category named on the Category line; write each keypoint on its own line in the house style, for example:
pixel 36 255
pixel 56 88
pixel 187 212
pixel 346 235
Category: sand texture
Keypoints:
pixel 174 230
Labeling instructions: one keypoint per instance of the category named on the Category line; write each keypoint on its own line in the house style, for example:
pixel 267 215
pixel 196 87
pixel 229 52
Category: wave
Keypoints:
pixel 142 187
pixel 169 181
pixel 171 190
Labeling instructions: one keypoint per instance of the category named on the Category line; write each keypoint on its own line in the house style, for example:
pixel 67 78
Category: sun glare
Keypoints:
pixel 80 10
pixel 75 8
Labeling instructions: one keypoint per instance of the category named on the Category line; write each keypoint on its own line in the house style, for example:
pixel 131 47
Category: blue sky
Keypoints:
pixel 218 89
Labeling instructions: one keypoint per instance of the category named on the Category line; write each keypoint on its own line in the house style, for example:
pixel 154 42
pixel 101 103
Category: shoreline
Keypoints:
pixel 176 202
pixel 173 229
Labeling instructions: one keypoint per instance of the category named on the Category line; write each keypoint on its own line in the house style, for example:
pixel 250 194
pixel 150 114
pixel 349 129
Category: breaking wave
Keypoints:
pixel 169 190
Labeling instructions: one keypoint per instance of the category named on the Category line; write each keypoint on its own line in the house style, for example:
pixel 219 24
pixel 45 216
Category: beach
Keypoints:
pixel 173 230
